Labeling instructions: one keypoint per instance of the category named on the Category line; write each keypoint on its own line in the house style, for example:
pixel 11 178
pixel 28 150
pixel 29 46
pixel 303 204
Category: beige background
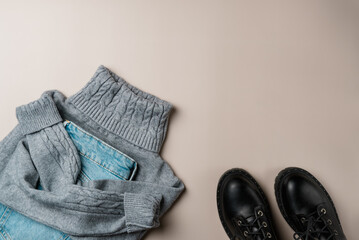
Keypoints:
pixel 260 85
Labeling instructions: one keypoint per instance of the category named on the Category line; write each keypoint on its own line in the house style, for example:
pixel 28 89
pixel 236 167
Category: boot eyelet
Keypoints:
pixel 239 222
pixel 302 219
pixel 245 233
pixel 336 233
pixel 260 213
pixel 329 222
pixel 323 211
pixel 269 235
pixel 264 224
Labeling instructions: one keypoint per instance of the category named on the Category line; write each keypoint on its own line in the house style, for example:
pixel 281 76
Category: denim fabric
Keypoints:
pixel 98 161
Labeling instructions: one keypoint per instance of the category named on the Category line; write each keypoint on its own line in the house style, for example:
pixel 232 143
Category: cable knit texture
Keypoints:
pixel 139 117
pixel 40 151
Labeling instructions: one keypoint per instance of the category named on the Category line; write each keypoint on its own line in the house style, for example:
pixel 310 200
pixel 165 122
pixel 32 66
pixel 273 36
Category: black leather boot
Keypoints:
pixel 306 206
pixel 243 208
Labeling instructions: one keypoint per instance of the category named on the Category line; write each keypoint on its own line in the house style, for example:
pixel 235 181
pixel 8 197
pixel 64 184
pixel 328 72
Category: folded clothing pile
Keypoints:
pixel 87 166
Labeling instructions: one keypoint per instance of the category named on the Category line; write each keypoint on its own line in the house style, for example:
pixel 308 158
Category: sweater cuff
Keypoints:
pixel 38 114
pixel 142 211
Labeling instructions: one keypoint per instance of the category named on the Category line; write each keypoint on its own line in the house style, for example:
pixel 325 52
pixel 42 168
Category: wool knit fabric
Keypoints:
pixel 39 151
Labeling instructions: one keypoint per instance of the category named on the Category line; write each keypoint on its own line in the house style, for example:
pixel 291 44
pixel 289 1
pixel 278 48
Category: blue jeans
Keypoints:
pixel 98 161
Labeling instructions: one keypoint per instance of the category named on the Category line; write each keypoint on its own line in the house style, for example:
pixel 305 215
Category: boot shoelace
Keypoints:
pixel 315 226
pixel 255 227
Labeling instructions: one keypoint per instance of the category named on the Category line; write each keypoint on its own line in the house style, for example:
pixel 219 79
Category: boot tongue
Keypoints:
pixel 319 226
pixel 254 228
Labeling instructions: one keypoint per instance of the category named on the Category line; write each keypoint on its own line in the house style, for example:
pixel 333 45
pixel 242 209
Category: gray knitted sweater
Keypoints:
pixel 39 151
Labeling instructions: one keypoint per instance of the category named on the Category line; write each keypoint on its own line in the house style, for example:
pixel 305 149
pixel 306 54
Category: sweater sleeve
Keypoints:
pixel 39 150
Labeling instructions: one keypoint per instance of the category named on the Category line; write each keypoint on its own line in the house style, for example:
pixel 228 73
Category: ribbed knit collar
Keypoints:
pixel 123 109
pixel 107 99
